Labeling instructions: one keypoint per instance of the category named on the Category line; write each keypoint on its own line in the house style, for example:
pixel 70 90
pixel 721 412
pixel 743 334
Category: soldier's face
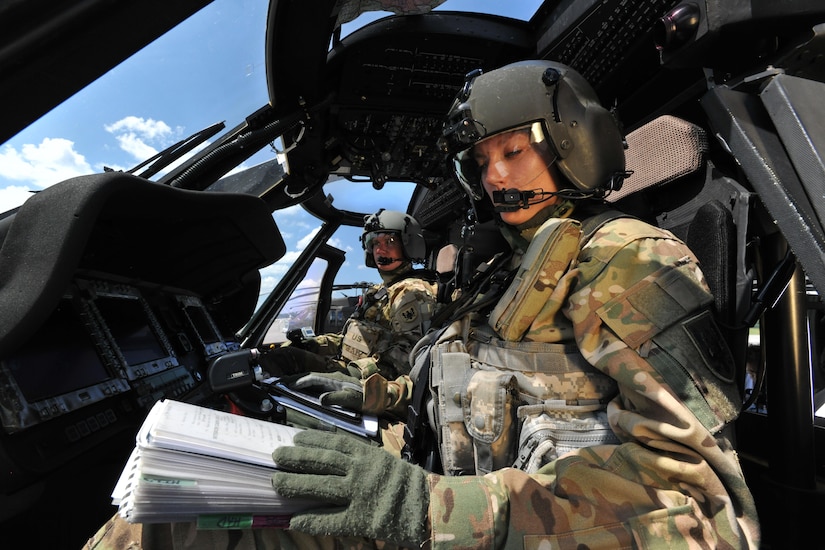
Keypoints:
pixel 512 160
pixel 385 247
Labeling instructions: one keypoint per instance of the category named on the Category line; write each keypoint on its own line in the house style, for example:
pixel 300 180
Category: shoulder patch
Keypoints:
pixel 409 314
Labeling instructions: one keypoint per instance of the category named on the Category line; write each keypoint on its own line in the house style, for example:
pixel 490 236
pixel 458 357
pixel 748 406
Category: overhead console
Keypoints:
pixel 116 292
pixel 385 91
pixel 395 80
pixel 654 57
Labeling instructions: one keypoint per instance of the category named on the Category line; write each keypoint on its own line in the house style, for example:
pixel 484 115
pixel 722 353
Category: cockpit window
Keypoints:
pixel 363 197
pixel 208 69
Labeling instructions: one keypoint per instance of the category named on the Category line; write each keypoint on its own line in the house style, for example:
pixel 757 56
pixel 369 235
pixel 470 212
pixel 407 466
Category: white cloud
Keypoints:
pixel 13 196
pixel 280 267
pixel 147 129
pixel 42 165
pixel 142 138
pixel 136 147
pixel 271 275
pixel 303 242
pixel 309 283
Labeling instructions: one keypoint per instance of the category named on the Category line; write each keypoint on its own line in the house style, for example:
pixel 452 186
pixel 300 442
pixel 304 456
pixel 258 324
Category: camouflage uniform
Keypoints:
pixel 117 534
pixel 674 479
pixel 377 338
pixel 380 334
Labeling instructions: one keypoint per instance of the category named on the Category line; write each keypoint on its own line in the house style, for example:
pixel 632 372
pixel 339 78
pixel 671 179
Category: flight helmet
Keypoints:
pixel 557 106
pixel 391 221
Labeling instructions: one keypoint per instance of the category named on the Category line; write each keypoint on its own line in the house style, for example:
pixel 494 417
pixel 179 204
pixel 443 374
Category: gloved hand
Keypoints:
pixel 328 345
pixel 337 387
pixel 375 395
pixel 370 492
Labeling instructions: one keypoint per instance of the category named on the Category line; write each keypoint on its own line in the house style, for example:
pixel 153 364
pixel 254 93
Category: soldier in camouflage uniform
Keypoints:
pixel 589 408
pixel 393 316
pixel 374 347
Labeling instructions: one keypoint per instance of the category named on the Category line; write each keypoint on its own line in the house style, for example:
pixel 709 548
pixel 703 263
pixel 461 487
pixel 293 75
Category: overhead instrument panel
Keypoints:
pixel 394 82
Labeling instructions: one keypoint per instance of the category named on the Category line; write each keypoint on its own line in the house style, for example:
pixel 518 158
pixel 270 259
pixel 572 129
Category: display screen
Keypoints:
pixel 58 359
pixel 131 328
pixel 202 325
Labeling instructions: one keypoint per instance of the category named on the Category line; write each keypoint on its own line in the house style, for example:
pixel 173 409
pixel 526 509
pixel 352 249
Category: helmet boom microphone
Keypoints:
pixel 510 200
pixel 385 260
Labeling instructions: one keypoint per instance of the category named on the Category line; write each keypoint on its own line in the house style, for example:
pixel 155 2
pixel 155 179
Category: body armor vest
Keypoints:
pixel 500 401
pixel 503 402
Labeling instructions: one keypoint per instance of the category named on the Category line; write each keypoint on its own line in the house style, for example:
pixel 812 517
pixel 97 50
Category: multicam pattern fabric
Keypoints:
pixel 532 288
pixel 673 481
pixel 380 334
pixel 384 397
pixel 117 534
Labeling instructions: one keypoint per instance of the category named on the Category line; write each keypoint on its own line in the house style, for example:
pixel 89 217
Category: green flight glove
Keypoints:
pixel 337 387
pixel 370 493
pixel 375 395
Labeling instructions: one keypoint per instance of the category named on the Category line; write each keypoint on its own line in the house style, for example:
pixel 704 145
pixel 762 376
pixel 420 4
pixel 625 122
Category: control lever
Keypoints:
pixel 354 422
pixel 298 335
pixel 234 371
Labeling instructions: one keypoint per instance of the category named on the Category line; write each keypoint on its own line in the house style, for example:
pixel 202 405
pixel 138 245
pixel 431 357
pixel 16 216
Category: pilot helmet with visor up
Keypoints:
pixel 563 114
pixel 387 225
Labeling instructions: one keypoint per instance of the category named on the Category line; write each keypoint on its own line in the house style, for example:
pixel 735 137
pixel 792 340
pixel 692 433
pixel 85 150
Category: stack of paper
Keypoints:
pixel 197 464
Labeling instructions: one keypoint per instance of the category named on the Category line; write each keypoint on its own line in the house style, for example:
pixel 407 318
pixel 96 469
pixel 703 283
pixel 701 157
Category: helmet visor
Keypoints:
pixel 377 238
pixel 520 156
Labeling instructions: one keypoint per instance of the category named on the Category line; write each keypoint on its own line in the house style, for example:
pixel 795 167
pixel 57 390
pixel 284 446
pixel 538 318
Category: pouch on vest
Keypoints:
pixel 490 412
pixel 484 390
pixel 552 250
pixel 476 414
pixel 450 375
pixel 360 339
pixel 551 429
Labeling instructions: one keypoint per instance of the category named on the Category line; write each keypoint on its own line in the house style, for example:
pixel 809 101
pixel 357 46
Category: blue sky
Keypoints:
pixel 208 69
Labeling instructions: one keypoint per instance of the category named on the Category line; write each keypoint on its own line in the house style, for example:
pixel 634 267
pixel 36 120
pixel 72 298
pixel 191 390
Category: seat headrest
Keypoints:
pixel 445 261
pixel 660 152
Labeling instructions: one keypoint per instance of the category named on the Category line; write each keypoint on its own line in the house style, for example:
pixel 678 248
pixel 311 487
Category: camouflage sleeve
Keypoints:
pixel 597 497
pixel 382 396
pixel 674 477
pixel 328 345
